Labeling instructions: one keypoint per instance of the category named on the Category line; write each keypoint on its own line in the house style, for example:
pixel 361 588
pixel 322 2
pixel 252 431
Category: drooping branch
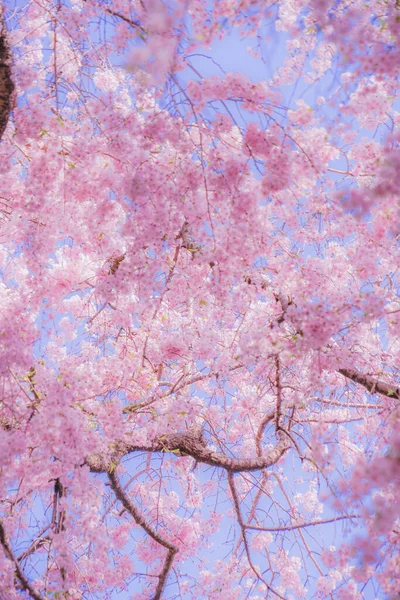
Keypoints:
pixel 141 521
pixel 189 444
pixel 6 82
pixel 372 384
pixel 278 392
pixel 20 575
pixel 239 517
pixel 301 525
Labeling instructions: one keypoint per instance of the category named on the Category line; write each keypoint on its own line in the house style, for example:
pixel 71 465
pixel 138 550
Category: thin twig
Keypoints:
pixel 242 526
pixel 301 525
pixel 134 24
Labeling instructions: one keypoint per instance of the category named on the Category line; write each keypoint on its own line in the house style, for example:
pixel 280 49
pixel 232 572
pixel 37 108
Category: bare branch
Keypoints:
pixel 174 388
pixel 268 417
pixel 278 393
pixel 20 575
pixel 189 444
pixel 36 544
pixel 301 525
pixel 134 24
pixel 373 385
pixel 242 526
pixel 141 521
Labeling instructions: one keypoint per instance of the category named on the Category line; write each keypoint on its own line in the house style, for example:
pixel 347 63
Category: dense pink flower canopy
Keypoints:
pixel 199 300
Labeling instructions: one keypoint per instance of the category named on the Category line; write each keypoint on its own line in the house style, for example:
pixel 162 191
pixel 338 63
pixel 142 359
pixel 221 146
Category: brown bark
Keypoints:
pixel 187 444
pixel 6 82
pixel 372 384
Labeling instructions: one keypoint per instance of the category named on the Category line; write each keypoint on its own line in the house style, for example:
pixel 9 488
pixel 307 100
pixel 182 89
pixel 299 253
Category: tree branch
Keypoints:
pixel 189 444
pixel 242 526
pixel 134 24
pixel 300 525
pixel 141 521
pixel 6 83
pixel 268 417
pixel 278 392
pixel 176 387
pixel 18 571
pixel 373 385
pixel 36 544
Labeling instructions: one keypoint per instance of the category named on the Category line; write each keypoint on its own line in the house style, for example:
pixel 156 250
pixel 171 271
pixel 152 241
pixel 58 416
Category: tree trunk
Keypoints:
pixel 6 83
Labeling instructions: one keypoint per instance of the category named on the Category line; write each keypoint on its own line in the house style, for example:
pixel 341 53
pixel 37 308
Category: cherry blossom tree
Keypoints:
pixel 199 300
